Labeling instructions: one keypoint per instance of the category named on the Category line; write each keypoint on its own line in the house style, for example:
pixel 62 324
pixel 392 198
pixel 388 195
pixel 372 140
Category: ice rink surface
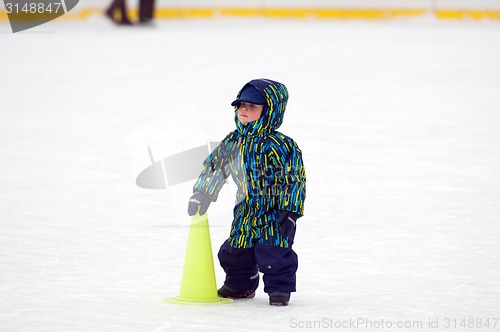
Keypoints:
pixel 399 123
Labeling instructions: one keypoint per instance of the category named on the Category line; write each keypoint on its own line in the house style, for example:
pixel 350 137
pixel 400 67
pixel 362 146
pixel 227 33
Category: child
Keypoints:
pixel 268 170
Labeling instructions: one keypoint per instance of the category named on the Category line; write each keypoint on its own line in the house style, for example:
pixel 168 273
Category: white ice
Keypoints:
pixel 399 123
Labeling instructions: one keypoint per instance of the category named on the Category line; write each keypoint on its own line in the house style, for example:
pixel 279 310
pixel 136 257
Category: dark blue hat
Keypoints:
pixel 250 94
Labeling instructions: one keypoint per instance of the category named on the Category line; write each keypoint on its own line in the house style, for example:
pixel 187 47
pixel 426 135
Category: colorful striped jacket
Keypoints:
pixel 265 164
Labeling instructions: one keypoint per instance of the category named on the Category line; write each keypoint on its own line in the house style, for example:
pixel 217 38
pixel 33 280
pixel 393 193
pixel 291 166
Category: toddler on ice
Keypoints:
pixel 267 168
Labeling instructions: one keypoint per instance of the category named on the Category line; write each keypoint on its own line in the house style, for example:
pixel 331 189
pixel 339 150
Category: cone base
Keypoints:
pixel 181 300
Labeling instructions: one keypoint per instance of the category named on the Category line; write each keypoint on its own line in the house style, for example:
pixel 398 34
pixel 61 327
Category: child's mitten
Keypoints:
pixel 198 200
pixel 287 221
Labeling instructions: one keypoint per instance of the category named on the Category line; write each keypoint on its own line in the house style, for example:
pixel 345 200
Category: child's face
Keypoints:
pixel 249 112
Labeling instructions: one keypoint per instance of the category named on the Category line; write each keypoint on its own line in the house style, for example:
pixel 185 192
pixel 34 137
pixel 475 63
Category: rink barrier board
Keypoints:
pixel 292 13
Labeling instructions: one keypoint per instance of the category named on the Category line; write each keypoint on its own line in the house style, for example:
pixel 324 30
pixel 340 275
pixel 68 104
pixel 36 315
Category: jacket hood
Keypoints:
pixel 276 96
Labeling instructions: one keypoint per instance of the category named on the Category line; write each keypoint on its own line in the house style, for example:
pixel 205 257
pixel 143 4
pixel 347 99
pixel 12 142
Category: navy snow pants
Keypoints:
pixel 242 266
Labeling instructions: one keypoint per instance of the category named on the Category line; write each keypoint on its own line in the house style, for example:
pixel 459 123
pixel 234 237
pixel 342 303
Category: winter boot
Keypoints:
pixel 279 298
pixel 227 292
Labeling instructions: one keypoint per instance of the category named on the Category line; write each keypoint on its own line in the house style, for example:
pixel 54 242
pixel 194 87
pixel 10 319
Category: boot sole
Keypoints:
pixel 249 296
pixel 278 304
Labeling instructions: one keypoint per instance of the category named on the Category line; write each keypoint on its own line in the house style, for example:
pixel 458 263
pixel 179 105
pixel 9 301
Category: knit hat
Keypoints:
pixel 251 95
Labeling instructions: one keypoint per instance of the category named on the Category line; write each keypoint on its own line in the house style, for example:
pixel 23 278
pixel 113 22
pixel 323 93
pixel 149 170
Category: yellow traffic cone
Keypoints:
pixel 198 284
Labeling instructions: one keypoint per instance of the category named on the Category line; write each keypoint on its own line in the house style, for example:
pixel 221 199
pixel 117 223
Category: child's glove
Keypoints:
pixel 198 200
pixel 287 221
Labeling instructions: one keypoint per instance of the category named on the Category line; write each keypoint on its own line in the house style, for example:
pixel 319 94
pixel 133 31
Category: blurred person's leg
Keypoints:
pixel 146 10
pixel 117 12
